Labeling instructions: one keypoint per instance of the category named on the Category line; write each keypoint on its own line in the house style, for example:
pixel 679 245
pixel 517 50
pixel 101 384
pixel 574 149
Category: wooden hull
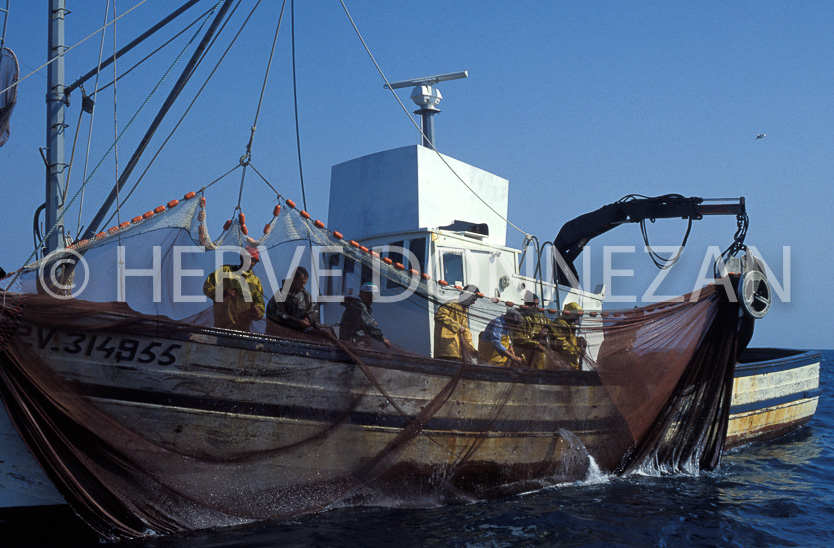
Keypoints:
pixel 285 394
pixel 775 391
pixel 304 402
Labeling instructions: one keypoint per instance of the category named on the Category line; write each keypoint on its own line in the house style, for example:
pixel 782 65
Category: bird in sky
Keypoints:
pixel 761 136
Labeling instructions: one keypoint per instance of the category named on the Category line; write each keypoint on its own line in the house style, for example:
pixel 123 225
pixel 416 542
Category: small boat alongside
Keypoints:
pixel 775 392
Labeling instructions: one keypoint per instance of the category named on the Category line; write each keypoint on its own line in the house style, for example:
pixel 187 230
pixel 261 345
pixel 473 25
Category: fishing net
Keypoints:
pixel 9 74
pixel 149 418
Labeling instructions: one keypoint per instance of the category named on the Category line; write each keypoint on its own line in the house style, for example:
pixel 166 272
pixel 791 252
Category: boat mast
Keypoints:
pixel 55 106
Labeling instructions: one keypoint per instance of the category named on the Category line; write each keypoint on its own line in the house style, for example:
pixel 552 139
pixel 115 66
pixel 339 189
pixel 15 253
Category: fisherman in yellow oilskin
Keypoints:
pixel 452 338
pixel 567 343
pixel 533 335
pixel 237 293
pixel 495 343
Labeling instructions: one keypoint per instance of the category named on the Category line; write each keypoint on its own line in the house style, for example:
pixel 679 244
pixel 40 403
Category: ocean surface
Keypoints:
pixel 778 493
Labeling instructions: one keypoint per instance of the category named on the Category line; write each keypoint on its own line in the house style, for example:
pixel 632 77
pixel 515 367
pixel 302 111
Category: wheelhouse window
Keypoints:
pixel 453 267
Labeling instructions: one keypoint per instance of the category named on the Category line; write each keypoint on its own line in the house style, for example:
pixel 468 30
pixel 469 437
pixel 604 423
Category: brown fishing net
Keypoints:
pixel 150 420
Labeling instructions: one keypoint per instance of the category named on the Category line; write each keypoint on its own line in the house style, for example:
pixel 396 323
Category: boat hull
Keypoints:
pixel 775 391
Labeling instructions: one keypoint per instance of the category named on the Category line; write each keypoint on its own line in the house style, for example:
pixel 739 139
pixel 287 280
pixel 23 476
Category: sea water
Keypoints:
pixel 778 493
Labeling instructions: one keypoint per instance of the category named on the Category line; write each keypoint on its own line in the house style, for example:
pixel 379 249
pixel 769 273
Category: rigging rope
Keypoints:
pixel 92 117
pixel 86 181
pixel 194 100
pixel 157 50
pixel 67 50
pixel 394 93
pixel 295 104
pixel 244 160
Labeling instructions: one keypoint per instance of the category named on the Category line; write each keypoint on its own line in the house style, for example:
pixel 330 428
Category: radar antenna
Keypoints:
pixel 427 98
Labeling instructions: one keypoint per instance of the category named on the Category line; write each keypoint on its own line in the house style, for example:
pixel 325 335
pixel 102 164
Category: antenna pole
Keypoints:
pixel 56 103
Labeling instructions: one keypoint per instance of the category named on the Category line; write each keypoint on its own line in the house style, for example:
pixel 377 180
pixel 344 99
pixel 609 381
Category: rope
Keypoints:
pixel 92 117
pixel 72 47
pixel 244 160
pixel 84 184
pixel 157 50
pixel 194 100
pixel 116 122
pixel 295 105
pixel 394 93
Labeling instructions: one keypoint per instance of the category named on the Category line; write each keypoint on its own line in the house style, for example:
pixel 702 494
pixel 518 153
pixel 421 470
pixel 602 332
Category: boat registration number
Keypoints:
pixel 122 349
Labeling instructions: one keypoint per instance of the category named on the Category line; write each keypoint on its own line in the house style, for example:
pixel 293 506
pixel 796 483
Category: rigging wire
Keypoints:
pixel 86 181
pixel 394 93
pixel 295 104
pixel 92 117
pixel 244 160
pixel 67 50
pixel 116 122
pixel 194 100
pixel 157 50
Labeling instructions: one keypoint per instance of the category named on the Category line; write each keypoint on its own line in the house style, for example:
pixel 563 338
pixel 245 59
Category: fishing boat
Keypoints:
pixel 149 418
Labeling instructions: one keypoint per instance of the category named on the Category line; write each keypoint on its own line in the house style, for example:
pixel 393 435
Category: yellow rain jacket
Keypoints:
pixel 531 335
pixel 566 341
pixel 448 320
pixel 235 312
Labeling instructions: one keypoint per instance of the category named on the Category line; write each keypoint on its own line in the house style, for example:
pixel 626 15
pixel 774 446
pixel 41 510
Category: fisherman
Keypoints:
pixel 358 326
pixel 567 343
pixel 452 338
pixel 494 346
pixel 242 298
pixel 293 307
pixel 534 335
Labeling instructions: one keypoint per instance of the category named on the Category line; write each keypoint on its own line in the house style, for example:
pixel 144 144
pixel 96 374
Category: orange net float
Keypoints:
pixel 173 203
pixel 425 276
pixel 509 304
pixel 363 249
pixel 375 254
pixel 82 243
pixel 479 295
pixel 443 282
pixel 100 235
pixel 136 219
pixel 124 224
pixel 337 235
pixel 227 224
pixel 201 216
pixel 524 307
pixel 354 243
pixel 290 204
pixel 304 214
pixel 112 229
pixel 267 228
pixel 202 201
pixel 458 287
pixel 159 209
pixel 201 230
pixel 241 218
pixel 592 314
pixel 148 214
pixel 494 299
pixel 276 210
pixel 244 229
pixel 413 272
pixel 551 311
pixel 399 266
pixel 318 224
pixel 189 196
